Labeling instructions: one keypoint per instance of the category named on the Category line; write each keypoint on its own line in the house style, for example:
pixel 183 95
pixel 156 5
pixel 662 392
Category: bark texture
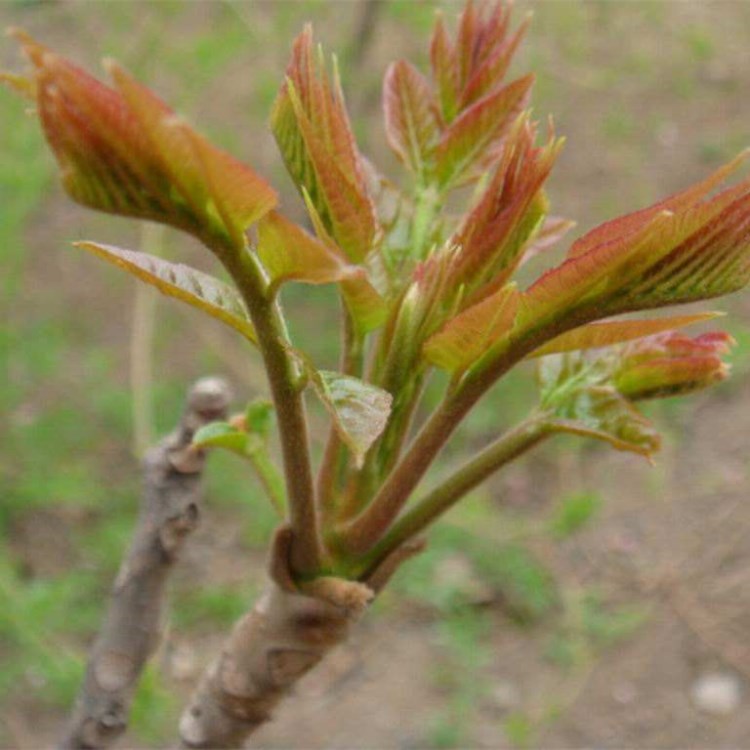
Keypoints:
pixel 290 629
pixel 269 649
pixel 132 625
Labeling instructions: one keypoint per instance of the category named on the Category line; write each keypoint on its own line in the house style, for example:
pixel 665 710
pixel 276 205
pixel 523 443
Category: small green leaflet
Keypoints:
pixel 259 417
pixel 601 412
pixel 359 410
pixel 176 280
pixel 226 435
pixel 578 398
pixel 251 445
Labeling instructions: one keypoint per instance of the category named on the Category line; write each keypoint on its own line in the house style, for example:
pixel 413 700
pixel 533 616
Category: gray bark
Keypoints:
pixel 131 629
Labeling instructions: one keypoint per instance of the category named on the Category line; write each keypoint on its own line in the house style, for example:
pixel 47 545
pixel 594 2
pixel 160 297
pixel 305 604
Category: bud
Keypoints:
pixel 671 364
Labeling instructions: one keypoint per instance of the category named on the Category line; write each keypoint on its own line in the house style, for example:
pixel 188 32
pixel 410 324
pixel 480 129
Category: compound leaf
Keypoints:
pixel 176 280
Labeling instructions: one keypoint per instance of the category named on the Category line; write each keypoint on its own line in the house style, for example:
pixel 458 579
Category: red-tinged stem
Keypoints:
pixel 501 452
pixel 307 550
pixel 365 530
pixel 359 536
pixel 387 450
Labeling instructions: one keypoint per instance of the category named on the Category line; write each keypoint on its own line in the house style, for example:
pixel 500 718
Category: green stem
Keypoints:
pixel 270 478
pixel 365 530
pixel 358 536
pixel 330 480
pixel 427 203
pixel 384 454
pixel 504 450
pixel 307 549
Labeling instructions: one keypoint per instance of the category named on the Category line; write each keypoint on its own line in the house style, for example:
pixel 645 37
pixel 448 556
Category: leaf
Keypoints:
pixel 550 233
pixel 201 171
pixel 699 251
pixel 122 150
pixel 444 69
pixel 289 253
pixel 577 396
pixel 250 445
pixel 259 417
pixel 239 194
pixel 182 282
pixel 671 364
pixel 469 140
pixel 601 412
pixel 510 210
pixel 489 74
pixel 367 308
pixel 224 435
pixel 595 335
pixel 103 156
pixel 634 221
pixel 584 278
pixel 359 410
pixel 311 127
pixel 712 261
pixel 465 338
pixel 410 123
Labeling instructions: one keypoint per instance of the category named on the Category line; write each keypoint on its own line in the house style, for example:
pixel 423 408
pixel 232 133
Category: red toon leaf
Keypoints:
pixel 312 130
pixel 122 150
pixel 410 123
pixel 671 364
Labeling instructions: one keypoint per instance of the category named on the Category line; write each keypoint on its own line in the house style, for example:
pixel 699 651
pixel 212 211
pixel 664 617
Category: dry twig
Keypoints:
pixel 169 512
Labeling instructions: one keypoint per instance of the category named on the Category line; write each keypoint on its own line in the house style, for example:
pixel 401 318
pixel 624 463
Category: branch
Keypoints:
pixel 286 634
pixel 289 403
pixel 130 632
pixel 330 471
pixel 496 455
pixel 368 528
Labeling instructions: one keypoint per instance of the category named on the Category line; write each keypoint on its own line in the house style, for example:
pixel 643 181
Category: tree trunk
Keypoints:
pixel 290 629
pixel 269 649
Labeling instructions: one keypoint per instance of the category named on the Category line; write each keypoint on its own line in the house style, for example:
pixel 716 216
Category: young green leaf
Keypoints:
pixel 470 142
pixel 312 130
pixel 224 435
pixel 410 123
pixel 601 412
pixel 250 445
pixel 259 417
pixel 464 339
pixel 289 253
pixel 176 280
pixel 577 396
pixel 359 410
